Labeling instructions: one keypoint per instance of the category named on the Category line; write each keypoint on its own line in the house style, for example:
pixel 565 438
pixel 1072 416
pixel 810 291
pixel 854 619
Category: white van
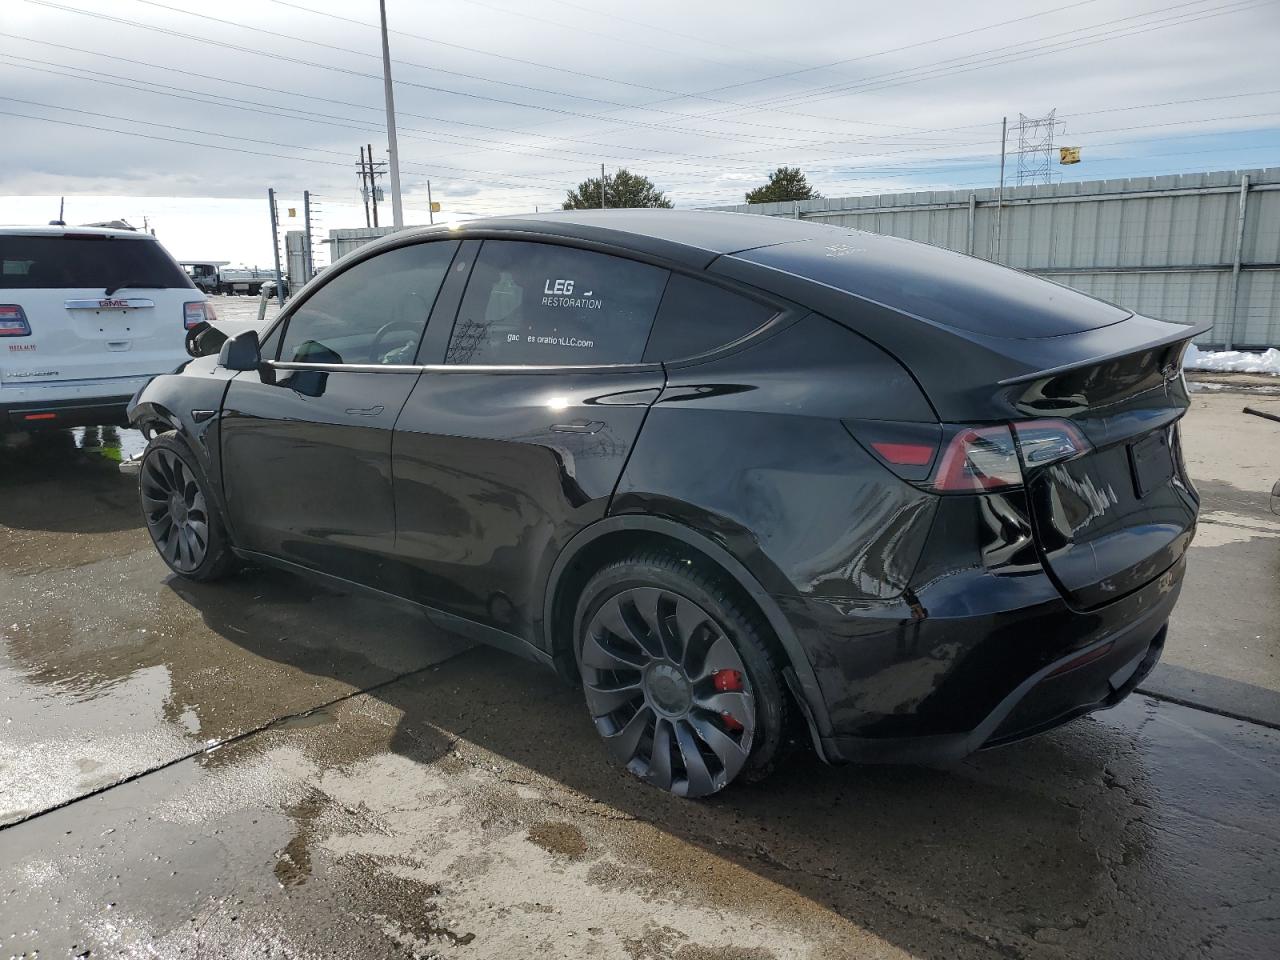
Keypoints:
pixel 87 317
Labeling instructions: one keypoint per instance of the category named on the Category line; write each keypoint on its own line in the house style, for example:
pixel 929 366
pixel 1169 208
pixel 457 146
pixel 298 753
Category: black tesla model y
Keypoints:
pixel 737 476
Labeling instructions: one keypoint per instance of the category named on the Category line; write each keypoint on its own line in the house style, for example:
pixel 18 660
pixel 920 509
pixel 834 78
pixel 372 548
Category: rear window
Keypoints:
pixel 89 261
pixel 960 292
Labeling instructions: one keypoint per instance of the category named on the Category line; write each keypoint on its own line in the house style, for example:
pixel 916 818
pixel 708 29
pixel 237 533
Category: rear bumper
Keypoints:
pixel 68 403
pixel 54 414
pixel 935 688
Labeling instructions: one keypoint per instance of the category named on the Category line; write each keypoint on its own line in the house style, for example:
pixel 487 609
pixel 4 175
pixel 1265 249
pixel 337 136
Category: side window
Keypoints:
pixel 696 317
pixel 542 304
pixel 374 312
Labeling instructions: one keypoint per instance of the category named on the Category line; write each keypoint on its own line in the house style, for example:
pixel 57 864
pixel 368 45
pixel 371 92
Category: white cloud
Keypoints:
pixel 489 157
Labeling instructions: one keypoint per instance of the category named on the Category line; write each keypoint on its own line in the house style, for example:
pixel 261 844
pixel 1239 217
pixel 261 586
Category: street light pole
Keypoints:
pixel 393 154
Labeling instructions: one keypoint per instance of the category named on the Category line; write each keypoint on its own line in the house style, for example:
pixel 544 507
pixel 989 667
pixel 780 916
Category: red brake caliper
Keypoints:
pixel 728 681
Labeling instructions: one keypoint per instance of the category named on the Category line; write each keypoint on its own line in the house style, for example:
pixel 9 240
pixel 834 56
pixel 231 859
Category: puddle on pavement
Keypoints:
pixel 388 828
pixel 110 443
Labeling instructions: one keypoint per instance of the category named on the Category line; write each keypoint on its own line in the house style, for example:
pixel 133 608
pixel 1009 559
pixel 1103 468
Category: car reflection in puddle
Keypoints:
pixel 113 443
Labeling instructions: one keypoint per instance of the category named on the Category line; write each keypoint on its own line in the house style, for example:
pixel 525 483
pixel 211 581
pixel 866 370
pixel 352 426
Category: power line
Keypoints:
pixel 130 83
pixel 272 111
pixel 968 60
pixel 909 46
pixel 665 28
pixel 272 143
pixel 669 95
pixel 578 28
pixel 968 63
pixel 412 83
pixel 1034 54
pixel 495 144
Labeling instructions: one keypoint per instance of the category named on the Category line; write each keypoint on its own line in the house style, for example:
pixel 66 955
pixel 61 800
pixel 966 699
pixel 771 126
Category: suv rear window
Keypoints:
pixel 85 261
pixel 964 293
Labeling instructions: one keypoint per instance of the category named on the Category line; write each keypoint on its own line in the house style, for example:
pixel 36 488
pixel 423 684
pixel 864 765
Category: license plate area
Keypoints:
pixel 1152 462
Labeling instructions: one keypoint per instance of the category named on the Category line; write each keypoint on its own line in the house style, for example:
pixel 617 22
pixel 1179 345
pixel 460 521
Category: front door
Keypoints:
pixel 306 445
pixel 516 441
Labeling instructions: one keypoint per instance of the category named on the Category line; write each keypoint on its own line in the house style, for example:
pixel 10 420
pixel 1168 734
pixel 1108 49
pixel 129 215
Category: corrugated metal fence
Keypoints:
pixel 1183 247
pixel 345 239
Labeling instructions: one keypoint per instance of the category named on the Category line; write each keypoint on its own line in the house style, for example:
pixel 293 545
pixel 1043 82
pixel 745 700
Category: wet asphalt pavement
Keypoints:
pixel 267 768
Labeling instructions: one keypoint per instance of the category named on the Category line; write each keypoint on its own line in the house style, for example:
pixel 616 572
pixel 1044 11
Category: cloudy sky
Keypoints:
pixel 186 112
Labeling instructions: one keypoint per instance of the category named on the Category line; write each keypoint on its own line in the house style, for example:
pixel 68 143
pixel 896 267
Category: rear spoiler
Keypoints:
pixel 1185 332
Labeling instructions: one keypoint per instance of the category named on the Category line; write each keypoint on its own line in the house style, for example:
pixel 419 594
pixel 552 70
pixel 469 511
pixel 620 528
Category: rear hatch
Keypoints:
pixel 1119 510
pixel 95 305
pixel 994 346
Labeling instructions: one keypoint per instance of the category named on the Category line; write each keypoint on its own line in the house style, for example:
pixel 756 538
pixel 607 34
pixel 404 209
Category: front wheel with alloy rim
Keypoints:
pixel 678 675
pixel 181 517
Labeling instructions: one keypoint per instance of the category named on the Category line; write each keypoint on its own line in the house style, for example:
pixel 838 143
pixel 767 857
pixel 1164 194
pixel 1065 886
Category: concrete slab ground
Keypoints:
pixel 267 768
pixel 1223 650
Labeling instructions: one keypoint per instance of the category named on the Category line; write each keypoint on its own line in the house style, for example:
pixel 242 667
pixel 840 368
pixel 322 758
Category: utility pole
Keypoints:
pixel 1004 138
pixel 374 173
pixel 431 211
pixel 364 189
pixel 373 186
pixel 275 244
pixel 393 154
pixel 308 266
pixel 602 186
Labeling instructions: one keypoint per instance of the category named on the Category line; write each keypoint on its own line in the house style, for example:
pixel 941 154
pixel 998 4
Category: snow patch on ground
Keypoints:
pixel 1233 361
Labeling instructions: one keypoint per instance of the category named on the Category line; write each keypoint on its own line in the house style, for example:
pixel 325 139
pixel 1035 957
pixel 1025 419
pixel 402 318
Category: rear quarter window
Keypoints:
pixel 88 261
pixel 696 317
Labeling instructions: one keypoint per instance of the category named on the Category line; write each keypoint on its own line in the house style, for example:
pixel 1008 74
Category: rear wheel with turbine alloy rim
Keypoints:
pixel 677 675
pixel 182 519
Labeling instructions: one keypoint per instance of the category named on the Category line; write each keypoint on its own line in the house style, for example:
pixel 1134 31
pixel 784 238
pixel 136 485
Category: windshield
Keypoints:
pixel 85 261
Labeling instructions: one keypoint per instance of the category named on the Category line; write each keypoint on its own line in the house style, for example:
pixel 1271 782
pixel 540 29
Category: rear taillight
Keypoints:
pixel 1042 442
pixel 197 312
pixel 978 460
pixel 13 322
pixel 969 459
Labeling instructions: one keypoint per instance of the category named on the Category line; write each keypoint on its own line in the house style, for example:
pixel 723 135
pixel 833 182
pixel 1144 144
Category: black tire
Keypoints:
pixel 180 513
pixel 679 674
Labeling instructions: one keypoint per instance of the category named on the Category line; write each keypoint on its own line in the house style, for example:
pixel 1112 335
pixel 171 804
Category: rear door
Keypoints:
pixel 514 438
pixel 79 330
pixel 306 446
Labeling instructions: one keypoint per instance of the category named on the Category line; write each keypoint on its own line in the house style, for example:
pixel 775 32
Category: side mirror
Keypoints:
pixel 241 352
pixel 203 339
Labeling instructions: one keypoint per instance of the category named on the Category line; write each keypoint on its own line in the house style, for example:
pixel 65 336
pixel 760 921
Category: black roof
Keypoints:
pixel 961 324
pixel 920 280
pixel 691 237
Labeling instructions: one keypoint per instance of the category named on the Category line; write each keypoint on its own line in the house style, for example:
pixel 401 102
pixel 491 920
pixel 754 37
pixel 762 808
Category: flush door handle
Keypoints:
pixel 578 426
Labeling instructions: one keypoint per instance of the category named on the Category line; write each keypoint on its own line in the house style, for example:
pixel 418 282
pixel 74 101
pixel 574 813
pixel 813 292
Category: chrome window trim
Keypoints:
pixel 459 367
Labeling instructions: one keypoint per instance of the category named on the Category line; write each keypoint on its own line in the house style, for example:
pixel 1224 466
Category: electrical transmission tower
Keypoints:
pixel 1035 148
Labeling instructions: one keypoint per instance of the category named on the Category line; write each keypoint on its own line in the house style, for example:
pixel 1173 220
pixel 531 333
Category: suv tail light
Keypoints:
pixel 977 459
pixel 197 312
pixel 13 322
pixel 1043 442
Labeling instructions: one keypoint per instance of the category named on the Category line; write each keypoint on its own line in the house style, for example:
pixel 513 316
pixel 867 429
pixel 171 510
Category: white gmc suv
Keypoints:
pixel 87 317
